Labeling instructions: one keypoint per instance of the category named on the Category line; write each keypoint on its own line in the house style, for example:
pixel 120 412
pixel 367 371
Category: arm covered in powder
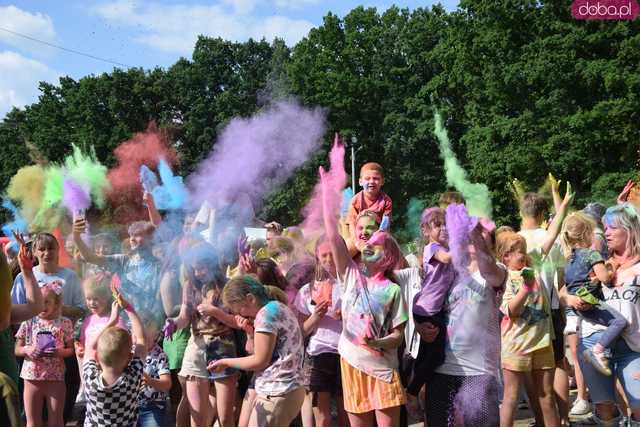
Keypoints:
pixel 87 253
pixel 338 247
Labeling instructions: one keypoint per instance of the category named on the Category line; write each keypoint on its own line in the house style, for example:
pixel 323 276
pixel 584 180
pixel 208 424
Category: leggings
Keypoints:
pixel 472 398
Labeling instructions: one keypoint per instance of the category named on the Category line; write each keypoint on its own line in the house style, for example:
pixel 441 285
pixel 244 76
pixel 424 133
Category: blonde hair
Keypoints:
pixel 577 228
pixel 99 285
pixel 114 347
pixel 237 289
pixel 372 166
pixel 508 242
pixel 625 216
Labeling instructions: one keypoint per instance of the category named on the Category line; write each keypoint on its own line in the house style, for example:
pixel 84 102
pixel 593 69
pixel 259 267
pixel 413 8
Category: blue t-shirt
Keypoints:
pixel 72 295
pixel 140 279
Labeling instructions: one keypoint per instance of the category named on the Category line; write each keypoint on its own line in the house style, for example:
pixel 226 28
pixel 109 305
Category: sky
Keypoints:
pixel 144 34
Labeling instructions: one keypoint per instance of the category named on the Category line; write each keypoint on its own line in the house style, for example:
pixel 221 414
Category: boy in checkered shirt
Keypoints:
pixel 112 374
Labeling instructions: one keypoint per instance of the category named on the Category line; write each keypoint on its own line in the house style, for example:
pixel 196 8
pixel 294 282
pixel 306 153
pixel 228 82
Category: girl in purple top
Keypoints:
pixel 439 275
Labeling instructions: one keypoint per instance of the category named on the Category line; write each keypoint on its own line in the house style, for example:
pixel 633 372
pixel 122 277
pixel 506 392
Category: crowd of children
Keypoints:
pixel 342 329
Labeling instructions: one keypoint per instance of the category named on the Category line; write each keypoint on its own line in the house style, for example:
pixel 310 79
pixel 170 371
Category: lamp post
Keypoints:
pixel 354 142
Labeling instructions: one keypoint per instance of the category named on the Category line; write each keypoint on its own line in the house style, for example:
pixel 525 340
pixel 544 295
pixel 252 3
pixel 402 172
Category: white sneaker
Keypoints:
pixel 580 407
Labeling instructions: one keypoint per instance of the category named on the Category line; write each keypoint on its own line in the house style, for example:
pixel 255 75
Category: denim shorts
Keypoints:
pixel 624 364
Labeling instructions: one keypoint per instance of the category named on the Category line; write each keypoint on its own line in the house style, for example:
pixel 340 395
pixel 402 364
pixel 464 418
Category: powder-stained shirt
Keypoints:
pixel 140 279
pixel 327 334
pixel 44 368
pixel 155 364
pixel 438 279
pixel 472 345
pixel 381 206
pixel 284 373
pixel 371 310
pixel 114 405
pixel 531 330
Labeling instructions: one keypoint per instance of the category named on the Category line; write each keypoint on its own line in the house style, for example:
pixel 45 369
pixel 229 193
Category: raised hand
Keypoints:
pixel 25 258
pixel 626 191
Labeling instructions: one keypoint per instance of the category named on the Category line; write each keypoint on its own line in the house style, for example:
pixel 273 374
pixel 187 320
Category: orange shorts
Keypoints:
pixel 363 393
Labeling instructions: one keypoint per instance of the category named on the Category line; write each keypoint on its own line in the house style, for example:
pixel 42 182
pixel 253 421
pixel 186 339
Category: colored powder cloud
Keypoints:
pixel 18 224
pixel 148 179
pixel 87 171
pixel 336 178
pixel 477 196
pixel 145 148
pixel 253 156
pixel 76 196
pixel 26 188
pixel 459 227
pixel 172 194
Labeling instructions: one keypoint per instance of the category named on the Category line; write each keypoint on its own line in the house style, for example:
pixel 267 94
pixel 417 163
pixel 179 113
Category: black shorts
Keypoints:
pixel 325 374
pixel 559 322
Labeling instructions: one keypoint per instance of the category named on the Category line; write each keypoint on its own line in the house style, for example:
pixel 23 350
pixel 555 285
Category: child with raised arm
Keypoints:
pixel 526 327
pixel 44 342
pixel 582 263
pixel 112 373
pixel 374 316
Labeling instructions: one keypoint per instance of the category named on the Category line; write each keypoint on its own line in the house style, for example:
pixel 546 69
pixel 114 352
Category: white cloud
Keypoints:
pixel 19 80
pixel 175 27
pixel 295 4
pixel 36 25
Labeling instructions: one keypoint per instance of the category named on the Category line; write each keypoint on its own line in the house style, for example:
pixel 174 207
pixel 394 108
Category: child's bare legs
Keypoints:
pixel 577 372
pixel 54 392
pixel 543 380
pixel 33 400
pixel 361 420
pixel 530 388
pixel 389 417
pixel 226 399
pixel 198 397
pixel 248 402
pixel 322 410
pixel 182 412
pixel 306 412
pixel 561 390
pixel 512 382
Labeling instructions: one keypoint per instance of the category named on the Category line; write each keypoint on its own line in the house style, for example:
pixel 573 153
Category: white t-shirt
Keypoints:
pixel 551 266
pixel 626 300
pixel 410 282
pixel 473 328
pixel 369 310
pixel 327 335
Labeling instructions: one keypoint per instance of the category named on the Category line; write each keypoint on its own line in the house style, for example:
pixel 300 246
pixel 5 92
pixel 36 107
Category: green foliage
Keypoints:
pixel 524 90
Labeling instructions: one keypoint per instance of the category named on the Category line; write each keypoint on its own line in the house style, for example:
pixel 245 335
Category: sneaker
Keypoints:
pixel 580 407
pixel 598 360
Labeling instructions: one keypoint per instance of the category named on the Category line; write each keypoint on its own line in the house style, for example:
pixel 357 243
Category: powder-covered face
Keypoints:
pixel 371 181
pixel 373 250
pixel 202 272
pixel 139 241
pixel 365 228
pixel 436 232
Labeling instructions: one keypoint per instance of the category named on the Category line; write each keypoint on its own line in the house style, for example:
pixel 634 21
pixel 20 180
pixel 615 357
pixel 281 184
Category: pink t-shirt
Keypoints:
pixel 93 324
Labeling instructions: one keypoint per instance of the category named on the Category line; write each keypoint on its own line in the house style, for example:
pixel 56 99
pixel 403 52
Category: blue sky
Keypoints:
pixel 141 33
